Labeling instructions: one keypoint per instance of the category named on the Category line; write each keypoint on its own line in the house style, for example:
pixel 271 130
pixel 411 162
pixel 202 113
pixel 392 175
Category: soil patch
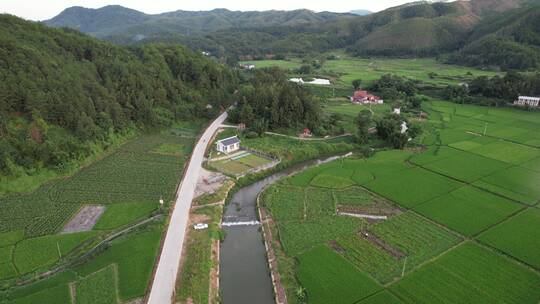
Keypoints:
pixel 335 246
pixel 85 219
pixel 372 238
pixel 375 209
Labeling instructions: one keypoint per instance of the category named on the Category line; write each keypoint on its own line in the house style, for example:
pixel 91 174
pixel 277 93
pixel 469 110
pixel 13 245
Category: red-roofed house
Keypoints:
pixel 363 97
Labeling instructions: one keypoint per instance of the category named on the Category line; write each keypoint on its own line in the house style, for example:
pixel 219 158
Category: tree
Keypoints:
pixel 246 114
pixel 356 83
pixel 389 129
pixel 363 122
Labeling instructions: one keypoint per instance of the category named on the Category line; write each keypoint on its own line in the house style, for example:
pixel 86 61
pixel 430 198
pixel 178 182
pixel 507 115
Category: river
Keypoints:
pixel 244 273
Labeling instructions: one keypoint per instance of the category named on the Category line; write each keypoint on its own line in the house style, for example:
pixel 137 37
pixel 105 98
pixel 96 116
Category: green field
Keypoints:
pixel 371 69
pixel 35 253
pixel 129 183
pixel 284 64
pixel 468 210
pixel 194 278
pixel 412 187
pixel 517 237
pixel 470 274
pixel 118 215
pixel 418 239
pixel 99 287
pixel 516 183
pixel 328 278
pixel 459 185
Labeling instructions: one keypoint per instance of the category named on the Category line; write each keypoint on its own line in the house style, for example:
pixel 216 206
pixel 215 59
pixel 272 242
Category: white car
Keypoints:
pixel 200 226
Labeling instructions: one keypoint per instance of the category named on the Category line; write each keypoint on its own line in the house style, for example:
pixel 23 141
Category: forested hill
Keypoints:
pixel 62 92
pixel 116 20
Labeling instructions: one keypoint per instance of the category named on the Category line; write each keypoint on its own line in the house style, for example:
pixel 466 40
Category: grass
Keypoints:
pixel 99 287
pixel 517 237
pixel 118 215
pixel 468 210
pixel 194 278
pixel 467 275
pixel 328 278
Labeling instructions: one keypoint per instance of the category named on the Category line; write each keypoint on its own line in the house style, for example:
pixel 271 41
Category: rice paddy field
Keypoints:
pixel 462 215
pixel 128 183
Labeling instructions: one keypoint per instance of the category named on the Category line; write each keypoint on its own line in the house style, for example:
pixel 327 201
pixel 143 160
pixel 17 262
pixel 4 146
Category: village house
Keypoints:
pixel 228 145
pixel 527 101
pixel 363 97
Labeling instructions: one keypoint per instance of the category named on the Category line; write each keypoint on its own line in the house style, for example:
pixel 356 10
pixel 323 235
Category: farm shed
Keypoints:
pixel 228 145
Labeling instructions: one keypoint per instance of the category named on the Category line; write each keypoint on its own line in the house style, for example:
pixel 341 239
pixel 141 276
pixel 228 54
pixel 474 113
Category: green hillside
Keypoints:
pixel 64 95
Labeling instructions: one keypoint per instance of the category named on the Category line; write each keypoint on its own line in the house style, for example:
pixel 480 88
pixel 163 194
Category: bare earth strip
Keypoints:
pixel 85 219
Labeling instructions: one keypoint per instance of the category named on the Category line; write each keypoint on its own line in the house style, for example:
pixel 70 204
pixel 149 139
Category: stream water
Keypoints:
pixel 244 273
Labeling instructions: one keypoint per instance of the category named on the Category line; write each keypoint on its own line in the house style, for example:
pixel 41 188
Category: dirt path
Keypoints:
pixel 309 138
pixel 279 289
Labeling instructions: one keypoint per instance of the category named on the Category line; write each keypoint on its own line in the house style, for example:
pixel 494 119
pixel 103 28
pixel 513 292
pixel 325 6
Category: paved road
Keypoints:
pixel 167 270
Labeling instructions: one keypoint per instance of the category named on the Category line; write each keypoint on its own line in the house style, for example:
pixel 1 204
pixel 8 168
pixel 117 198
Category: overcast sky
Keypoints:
pixel 46 9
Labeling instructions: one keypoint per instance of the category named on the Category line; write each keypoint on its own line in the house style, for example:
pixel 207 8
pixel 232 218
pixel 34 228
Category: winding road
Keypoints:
pixel 164 281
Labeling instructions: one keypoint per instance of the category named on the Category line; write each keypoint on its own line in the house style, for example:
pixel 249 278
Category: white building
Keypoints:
pixel 316 81
pixel 527 101
pixel 247 66
pixel 228 145
pixel 404 127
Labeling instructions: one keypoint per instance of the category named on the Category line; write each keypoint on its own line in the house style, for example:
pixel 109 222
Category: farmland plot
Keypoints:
pixel 467 275
pixel 383 297
pixel 328 278
pixel 517 237
pixel 285 202
pixel 468 210
pixel 415 238
pixel 466 166
pixel 507 152
pixel 298 237
pixel 516 183
pixel 412 186
pixel 99 287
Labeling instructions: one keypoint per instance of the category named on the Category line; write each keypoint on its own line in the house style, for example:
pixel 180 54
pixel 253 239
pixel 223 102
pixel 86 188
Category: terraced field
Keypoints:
pixel 461 214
